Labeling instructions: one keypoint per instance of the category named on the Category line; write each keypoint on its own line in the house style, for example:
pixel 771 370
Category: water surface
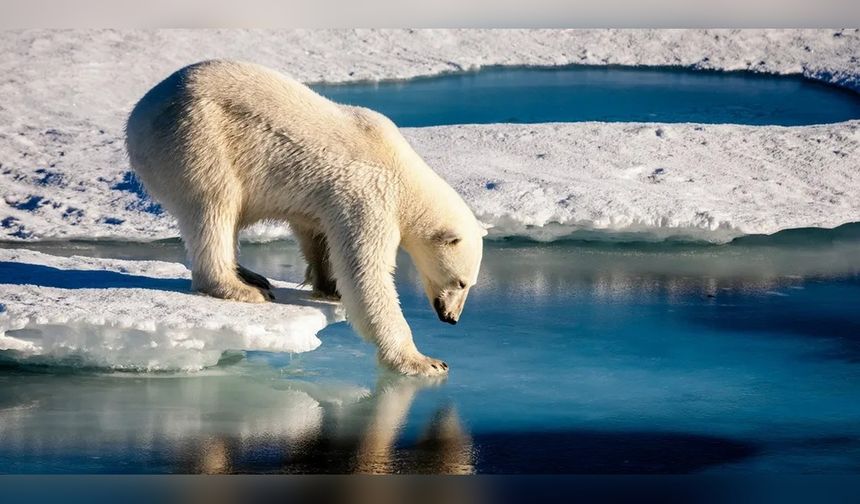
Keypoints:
pixel 570 358
pixel 608 94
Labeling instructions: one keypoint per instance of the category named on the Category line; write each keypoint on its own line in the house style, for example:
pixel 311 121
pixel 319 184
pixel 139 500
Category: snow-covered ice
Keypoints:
pixel 710 182
pixel 140 315
pixel 543 181
pixel 64 173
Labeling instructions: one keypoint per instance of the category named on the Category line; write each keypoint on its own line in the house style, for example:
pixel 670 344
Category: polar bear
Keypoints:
pixel 222 145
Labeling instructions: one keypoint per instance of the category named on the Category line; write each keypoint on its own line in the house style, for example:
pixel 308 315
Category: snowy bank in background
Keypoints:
pixel 542 181
pixel 139 315
pixel 709 182
pixel 64 173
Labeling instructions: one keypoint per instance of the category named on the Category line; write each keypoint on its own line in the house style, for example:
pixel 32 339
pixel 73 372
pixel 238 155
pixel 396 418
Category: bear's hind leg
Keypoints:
pixel 315 251
pixel 210 237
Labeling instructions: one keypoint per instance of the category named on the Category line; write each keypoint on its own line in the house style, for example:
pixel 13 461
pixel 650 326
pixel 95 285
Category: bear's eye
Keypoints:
pixel 461 284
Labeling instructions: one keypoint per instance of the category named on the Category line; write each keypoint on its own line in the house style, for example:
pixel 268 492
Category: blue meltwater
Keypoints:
pixel 608 94
pixel 569 358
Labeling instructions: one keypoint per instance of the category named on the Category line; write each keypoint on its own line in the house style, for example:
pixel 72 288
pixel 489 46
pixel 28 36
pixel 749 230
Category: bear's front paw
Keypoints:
pixel 418 364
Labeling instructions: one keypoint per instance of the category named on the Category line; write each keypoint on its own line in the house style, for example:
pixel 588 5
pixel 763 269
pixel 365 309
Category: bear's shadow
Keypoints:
pixel 18 273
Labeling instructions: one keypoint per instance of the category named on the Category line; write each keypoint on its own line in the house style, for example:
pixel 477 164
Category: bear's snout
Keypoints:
pixel 444 314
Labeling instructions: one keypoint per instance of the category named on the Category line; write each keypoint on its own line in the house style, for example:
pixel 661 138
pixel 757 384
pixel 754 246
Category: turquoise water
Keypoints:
pixel 611 94
pixel 570 357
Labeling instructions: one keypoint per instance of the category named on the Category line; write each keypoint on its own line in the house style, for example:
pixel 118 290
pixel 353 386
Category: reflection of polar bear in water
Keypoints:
pixel 224 421
pixel 354 436
pixel 223 145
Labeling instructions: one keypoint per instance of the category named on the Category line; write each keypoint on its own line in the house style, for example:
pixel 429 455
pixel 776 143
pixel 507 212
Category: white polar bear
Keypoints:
pixel 223 145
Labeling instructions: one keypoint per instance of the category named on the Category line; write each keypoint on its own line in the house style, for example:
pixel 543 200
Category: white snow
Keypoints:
pixel 545 181
pixel 140 315
pixel 710 182
pixel 64 174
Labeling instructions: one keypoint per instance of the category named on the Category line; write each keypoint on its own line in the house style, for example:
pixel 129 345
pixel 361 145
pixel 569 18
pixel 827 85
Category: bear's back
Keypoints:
pixel 238 97
pixel 238 88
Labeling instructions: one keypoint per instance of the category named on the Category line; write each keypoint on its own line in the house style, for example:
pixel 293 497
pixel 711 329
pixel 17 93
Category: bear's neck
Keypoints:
pixel 427 205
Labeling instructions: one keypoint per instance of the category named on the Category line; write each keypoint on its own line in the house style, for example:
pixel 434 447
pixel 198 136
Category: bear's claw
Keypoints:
pixel 251 278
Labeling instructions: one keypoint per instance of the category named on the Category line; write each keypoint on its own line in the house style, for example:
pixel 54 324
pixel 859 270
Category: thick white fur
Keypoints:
pixel 223 145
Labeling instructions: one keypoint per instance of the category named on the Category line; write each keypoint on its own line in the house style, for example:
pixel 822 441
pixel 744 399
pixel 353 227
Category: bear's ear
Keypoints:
pixel 446 237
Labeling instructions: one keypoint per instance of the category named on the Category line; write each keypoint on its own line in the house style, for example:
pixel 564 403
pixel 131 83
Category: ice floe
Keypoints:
pixel 542 181
pixel 140 315
pixel 64 172
pixel 709 182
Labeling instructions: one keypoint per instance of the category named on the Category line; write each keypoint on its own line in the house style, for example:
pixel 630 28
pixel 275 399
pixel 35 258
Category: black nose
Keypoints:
pixel 440 311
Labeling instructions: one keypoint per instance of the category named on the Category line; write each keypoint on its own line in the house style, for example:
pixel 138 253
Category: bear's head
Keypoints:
pixel 448 263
